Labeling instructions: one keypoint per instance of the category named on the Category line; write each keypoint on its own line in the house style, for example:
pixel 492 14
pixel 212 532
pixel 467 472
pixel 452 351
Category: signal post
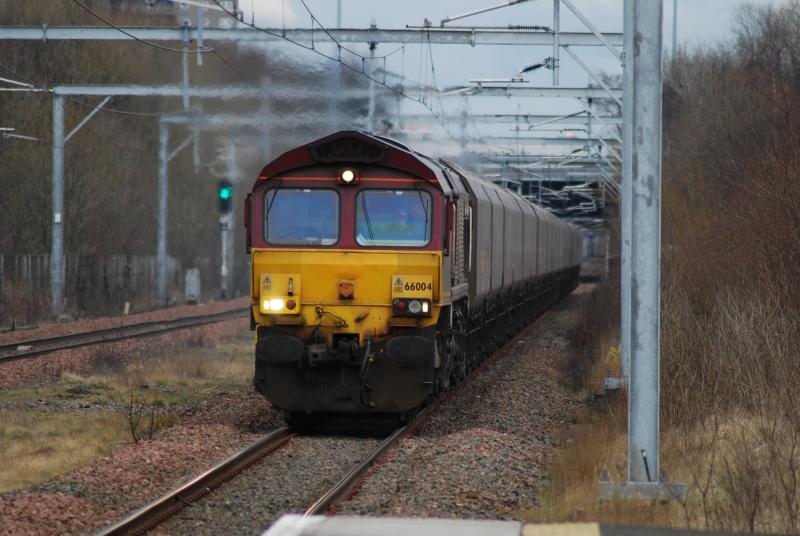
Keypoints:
pixel 225 207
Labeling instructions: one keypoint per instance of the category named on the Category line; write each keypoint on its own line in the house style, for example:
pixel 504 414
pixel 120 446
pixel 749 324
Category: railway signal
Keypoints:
pixel 225 207
pixel 225 196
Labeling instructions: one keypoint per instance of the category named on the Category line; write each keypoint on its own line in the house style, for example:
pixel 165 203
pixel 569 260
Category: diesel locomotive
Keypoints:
pixel 381 276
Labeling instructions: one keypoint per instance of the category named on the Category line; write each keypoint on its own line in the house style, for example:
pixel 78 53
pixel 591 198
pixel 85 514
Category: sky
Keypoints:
pixel 700 23
pixel 699 20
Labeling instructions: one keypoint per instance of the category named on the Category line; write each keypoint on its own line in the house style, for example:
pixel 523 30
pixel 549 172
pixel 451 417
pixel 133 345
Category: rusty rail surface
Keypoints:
pixel 46 345
pixel 166 506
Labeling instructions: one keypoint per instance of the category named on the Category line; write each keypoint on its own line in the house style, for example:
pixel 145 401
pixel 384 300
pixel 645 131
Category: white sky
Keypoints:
pixel 700 22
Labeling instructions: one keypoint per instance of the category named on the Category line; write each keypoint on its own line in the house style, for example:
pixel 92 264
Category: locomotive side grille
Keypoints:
pixel 459 242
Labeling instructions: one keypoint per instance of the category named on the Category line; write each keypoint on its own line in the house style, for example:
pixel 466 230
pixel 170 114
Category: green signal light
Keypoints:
pixel 225 193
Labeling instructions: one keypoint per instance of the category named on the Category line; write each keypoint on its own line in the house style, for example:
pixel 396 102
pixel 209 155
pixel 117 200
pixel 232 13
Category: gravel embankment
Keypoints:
pixel 50 367
pixel 92 496
pixel 288 481
pixel 484 452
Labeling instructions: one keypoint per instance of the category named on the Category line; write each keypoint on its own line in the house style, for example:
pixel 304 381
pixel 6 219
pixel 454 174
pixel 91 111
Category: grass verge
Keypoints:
pixel 36 446
pixel 49 429
pixel 730 428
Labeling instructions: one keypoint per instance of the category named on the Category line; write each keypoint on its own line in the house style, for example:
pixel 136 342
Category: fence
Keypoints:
pixel 93 284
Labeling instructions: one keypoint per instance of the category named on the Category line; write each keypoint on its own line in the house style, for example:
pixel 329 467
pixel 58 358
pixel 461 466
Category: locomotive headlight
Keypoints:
pixel 414 307
pixel 348 175
pixel 425 307
pixel 275 304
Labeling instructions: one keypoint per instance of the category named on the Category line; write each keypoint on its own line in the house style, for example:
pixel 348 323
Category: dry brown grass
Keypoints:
pixel 198 368
pixel 594 341
pixel 124 404
pixel 571 496
pixel 731 423
pixel 36 446
pixel 738 478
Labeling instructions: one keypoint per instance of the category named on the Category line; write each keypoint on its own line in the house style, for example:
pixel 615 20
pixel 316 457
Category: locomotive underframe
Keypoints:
pixel 400 372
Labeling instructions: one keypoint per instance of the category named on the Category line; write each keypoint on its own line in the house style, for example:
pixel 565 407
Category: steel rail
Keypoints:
pixel 352 478
pixel 87 338
pixel 152 514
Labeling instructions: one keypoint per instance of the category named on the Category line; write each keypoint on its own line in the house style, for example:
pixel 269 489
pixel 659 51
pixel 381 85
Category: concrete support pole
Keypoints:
pixel 539 194
pixel 643 400
pixel 372 104
pixel 337 115
pixel 674 27
pixel 463 125
pixel 226 231
pixel 201 22
pixel 556 43
pixel 163 191
pixel 57 240
pixel 627 190
pixel 226 255
pixel 589 125
pixel 185 55
pixel 266 119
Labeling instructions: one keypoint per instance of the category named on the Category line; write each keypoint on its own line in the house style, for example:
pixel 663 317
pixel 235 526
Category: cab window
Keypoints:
pixel 301 216
pixel 395 218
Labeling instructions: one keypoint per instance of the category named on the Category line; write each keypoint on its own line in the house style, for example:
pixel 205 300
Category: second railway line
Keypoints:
pixel 34 347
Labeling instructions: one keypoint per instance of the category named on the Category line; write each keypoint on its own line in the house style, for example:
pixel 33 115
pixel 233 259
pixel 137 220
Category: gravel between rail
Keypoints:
pixel 286 481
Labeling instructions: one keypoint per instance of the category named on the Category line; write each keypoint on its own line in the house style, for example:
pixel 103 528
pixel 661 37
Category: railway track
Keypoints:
pixel 153 514
pixel 11 351
pixel 158 511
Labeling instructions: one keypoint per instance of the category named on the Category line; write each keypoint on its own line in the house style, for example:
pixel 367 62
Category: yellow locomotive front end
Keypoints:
pixel 347 279
pixel 345 330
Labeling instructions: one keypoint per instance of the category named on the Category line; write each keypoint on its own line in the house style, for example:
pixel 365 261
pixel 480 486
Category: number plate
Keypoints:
pixel 412 286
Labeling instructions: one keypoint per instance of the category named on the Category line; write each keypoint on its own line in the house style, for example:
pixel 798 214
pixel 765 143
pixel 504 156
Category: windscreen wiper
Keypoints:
pixel 424 205
pixel 269 207
pixel 366 215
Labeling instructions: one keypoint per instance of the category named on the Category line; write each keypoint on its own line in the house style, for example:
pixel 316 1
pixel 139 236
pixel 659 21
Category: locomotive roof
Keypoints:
pixel 350 147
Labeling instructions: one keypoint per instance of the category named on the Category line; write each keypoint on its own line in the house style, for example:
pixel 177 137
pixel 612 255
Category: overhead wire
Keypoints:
pixel 436 87
pixel 324 29
pixel 158 46
pixel 139 39
pixel 77 119
pixel 312 48
pixel 400 93
pixel 81 102
pixel 70 98
pixel 433 74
